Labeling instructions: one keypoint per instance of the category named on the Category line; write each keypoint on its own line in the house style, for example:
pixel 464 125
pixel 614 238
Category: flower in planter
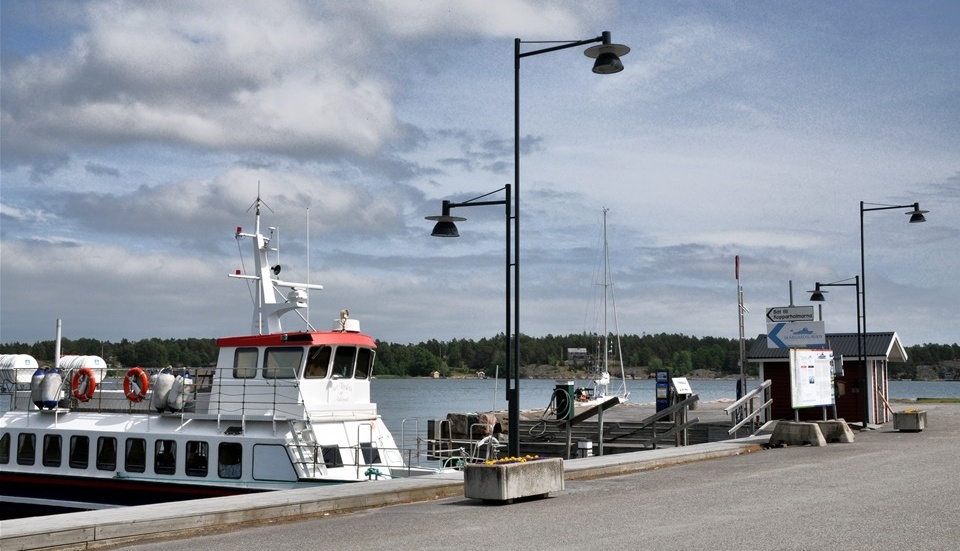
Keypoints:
pixel 508 460
pixel 912 410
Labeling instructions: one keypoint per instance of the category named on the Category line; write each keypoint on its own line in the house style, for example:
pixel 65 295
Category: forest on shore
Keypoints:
pixel 542 357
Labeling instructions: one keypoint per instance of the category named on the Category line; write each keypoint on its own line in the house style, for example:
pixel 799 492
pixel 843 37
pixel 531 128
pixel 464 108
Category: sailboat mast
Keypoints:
pixel 606 285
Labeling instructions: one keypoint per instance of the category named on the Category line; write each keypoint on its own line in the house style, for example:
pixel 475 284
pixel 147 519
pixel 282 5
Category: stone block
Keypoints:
pixel 792 433
pixel 836 431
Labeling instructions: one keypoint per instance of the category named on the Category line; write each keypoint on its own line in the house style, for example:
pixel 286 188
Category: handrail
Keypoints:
pixel 743 409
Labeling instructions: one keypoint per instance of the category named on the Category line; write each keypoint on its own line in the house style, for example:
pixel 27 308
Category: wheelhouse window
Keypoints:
pixel 282 363
pixel 52 450
pixel 343 362
pixel 26 448
pixel 165 457
pixel 318 362
pixel 135 455
pixel 245 363
pixel 364 363
pixel 230 460
pixel 106 453
pixel 331 456
pixel 5 449
pixel 197 458
pixel 79 452
pixel 371 455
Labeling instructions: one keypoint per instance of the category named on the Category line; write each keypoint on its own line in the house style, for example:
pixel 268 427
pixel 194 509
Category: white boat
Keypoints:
pixel 607 347
pixel 280 410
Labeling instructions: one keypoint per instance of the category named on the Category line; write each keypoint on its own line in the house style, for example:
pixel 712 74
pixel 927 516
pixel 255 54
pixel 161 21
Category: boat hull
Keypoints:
pixel 43 491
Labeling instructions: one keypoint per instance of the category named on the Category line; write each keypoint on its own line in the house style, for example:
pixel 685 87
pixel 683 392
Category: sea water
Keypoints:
pixel 406 404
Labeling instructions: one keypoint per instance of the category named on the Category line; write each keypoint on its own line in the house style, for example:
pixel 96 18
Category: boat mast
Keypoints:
pixel 606 285
pixel 268 308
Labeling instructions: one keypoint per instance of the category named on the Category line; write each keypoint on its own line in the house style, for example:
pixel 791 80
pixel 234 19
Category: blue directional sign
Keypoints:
pixel 796 334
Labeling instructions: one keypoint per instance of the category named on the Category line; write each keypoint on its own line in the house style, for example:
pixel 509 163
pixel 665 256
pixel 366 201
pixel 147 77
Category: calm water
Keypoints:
pixel 423 399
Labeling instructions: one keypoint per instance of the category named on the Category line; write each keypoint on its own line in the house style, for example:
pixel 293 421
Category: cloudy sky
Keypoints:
pixel 135 136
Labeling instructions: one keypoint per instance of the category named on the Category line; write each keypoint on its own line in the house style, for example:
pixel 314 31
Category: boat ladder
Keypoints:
pixel 304 449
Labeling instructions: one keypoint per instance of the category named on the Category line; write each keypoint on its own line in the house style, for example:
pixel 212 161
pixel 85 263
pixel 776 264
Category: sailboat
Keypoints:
pixel 608 346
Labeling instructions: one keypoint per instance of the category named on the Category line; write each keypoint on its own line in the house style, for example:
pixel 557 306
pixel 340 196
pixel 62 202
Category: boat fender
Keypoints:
pixel 50 388
pixel 135 385
pixel 161 390
pixel 83 384
pixel 35 382
pixel 182 386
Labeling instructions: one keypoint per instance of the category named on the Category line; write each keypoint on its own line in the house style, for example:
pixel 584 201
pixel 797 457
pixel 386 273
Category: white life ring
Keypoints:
pixel 135 385
pixel 83 384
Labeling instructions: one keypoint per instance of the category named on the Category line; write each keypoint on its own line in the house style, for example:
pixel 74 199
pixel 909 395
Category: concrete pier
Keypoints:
pixel 886 490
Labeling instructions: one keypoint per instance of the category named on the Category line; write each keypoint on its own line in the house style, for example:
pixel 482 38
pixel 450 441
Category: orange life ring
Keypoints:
pixel 135 384
pixel 84 384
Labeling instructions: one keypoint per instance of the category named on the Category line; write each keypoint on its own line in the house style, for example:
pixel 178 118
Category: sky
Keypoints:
pixel 135 136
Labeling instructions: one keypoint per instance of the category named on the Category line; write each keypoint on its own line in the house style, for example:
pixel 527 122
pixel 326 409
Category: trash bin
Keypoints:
pixel 584 448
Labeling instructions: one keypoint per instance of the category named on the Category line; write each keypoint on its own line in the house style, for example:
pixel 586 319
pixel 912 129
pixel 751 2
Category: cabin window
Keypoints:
pixel 51 450
pixel 245 363
pixel 331 456
pixel 5 449
pixel 26 448
pixel 197 456
pixel 79 452
pixel 343 361
pixel 135 455
pixel 230 460
pixel 364 363
pixel 371 455
pixel 271 462
pixel 318 363
pixel 165 457
pixel 282 363
pixel 106 453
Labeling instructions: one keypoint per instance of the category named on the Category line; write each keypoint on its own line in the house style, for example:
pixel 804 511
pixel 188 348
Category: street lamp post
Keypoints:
pixel 446 227
pixel 817 296
pixel 916 216
pixel 607 56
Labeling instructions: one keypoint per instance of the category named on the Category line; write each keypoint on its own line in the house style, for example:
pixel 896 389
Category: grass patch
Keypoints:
pixel 938 400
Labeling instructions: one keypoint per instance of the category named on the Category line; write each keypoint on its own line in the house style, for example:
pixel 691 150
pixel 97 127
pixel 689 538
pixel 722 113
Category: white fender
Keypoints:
pixel 161 391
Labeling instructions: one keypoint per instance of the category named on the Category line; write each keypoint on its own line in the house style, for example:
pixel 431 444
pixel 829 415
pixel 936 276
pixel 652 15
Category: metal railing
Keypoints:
pixel 743 411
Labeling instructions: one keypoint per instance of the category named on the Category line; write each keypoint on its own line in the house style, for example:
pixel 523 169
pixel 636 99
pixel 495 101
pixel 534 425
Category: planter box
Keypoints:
pixel 909 421
pixel 511 481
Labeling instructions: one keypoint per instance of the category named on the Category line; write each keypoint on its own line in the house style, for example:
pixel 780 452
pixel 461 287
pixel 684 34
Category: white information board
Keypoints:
pixel 682 385
pixel 811 377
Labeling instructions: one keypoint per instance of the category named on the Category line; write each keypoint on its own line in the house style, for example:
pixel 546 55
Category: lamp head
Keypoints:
pixel 444 228
pixel 445 224
pixel 817 295
pixel 607 56
pixel 916 215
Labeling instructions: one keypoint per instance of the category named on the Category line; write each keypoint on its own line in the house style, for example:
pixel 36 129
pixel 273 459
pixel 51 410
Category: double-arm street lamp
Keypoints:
pixel 916 216
pixel 607 61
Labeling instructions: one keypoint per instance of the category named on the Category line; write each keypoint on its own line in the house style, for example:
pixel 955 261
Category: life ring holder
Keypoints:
pixel 83 384
pixel 139 377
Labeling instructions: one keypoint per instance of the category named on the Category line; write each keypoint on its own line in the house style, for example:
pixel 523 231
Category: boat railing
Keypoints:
pixel 453 449
pixel 744 412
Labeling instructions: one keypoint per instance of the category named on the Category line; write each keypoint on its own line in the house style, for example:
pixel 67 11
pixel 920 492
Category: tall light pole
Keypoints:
pixel 607 56
pixel 916 216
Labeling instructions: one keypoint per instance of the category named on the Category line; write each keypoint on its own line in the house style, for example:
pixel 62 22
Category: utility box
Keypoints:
pixel 663 389
pixel 563 400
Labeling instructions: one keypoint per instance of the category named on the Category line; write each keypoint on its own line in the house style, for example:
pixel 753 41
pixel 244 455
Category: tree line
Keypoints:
pixel 681 354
